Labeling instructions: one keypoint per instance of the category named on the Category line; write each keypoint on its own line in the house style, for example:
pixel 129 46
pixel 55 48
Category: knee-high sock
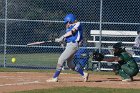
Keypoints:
pixel 79 70
pixel 56 74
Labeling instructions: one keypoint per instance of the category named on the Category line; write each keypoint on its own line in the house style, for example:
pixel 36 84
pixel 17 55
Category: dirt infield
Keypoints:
pixel 19 81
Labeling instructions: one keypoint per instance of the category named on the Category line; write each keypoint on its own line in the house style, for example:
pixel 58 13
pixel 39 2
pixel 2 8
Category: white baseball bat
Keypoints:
pixel 37 43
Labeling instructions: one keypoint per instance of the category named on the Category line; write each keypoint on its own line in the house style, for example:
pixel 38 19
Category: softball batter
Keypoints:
pixel 73 36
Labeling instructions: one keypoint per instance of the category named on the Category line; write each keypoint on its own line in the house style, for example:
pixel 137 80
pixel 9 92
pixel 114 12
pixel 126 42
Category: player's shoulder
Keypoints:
pixel 126 53
pixel 77 23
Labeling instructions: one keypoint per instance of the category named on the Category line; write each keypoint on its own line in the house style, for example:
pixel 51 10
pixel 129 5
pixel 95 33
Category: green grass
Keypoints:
pixel 34 59
pixel 82 90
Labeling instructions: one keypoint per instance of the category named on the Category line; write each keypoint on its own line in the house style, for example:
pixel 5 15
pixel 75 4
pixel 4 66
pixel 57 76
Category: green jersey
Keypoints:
pixel 128 59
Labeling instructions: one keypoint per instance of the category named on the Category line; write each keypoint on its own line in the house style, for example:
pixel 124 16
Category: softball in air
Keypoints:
pixel 13 60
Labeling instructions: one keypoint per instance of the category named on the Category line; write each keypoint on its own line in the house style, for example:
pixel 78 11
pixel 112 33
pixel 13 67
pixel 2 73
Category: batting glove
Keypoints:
pixel 61 39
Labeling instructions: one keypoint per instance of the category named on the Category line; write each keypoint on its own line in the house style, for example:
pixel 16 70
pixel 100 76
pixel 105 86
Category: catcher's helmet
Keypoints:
pixel 69 18
pixel 117 45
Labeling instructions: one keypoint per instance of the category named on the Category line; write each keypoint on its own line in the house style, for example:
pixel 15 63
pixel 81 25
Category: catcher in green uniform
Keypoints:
pixel 127 67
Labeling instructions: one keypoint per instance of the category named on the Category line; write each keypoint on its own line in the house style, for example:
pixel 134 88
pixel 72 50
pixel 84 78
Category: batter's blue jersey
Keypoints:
pixel 77 36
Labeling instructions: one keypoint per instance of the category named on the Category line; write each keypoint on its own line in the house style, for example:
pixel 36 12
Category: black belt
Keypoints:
pixel 73 42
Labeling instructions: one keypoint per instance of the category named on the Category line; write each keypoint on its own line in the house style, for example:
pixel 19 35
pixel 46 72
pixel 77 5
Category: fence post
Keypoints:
pixel 5 36
pixel 101 2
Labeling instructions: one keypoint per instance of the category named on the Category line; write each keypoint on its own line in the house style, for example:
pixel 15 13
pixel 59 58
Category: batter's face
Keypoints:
pixel 68 25
pixel 115 50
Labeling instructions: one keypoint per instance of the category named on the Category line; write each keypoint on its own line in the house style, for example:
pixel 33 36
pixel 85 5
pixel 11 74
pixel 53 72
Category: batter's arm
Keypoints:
pixel 75 28
pixel 68 34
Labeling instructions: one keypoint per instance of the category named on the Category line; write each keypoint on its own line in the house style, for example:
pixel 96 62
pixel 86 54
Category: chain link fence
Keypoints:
pixel 26 21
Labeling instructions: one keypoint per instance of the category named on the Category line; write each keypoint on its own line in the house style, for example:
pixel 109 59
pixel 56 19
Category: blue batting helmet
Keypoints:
pixel 69 18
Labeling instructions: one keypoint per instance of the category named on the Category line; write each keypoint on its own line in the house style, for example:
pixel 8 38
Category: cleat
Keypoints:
pixel 52 80
pixel 86 75
pixel 127 80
